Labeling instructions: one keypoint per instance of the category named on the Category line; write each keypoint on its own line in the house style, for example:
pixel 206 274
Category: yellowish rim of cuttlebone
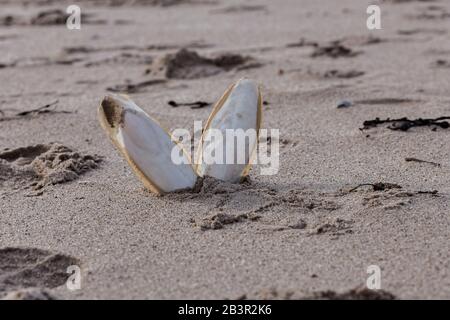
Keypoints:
pixel 215 110
pixel 112 133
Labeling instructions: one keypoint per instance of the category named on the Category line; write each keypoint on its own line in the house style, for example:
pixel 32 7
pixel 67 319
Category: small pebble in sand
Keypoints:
pixel 344 104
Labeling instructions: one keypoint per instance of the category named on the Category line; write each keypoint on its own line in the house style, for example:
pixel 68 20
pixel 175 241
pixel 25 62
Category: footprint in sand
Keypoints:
pixel 187 64
pixel 27 273
pixel 335 227
pixel 252 203
pixel 43 164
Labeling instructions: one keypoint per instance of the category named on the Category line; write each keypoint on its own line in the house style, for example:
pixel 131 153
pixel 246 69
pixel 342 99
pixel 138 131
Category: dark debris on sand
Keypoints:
pixel 45 18
pixel 412 159
pixel 49 108
pixel 404 124
pixel 334 49
pixel 135 87
pixel 379 186
pixel 188 64
pixel 219 220
pixel 335 227
pixel 240 8
pixel 105 3
pixel 385 186
pixel 193 105
pixel 359 293
pixel 441 63
pixel 339 74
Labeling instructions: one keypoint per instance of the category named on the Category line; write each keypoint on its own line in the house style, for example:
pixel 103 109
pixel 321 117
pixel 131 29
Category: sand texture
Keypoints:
pixel 364 175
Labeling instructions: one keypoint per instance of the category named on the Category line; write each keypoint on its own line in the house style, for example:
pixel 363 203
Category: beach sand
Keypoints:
pixel 68 198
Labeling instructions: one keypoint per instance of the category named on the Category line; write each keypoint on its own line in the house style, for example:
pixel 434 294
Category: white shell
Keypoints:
pixel 239 108
pixel 146 146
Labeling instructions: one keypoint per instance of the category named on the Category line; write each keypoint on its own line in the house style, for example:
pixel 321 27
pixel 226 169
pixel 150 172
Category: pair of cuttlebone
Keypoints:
pixel 148 147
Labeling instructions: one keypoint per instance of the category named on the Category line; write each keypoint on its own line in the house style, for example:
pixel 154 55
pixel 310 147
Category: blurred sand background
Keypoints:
pixel 67 197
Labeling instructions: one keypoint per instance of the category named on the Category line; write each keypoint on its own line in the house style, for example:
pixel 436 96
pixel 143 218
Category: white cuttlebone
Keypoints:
pixel 239 108
pixel 145 145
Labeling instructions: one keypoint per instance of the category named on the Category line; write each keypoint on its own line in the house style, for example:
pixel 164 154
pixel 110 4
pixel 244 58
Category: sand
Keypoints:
pixel 343 199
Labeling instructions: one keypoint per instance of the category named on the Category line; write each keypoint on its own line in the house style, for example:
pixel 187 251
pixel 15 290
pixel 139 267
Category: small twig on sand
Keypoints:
pixel 382 186
pixel 422 161
pixel 193 105
pixel 135 87
pixel 404 124
pixel 43 109
pixel 379 186
pixel 433 192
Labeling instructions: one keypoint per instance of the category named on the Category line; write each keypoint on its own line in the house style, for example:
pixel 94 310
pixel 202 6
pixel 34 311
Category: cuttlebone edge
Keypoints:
pixel 219 104
pixel 113 135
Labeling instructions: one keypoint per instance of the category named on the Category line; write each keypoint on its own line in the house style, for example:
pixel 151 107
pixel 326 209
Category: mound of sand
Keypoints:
pixel 187 64
pixel 42 165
